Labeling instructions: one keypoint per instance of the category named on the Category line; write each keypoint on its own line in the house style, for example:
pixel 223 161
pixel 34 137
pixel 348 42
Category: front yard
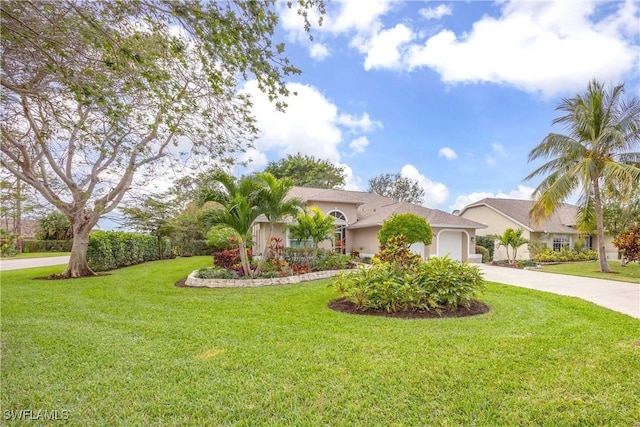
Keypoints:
pixel 130 348
pixel 629 273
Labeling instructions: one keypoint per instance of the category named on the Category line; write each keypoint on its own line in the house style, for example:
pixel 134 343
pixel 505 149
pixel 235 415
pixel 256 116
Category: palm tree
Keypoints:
pixel 240 209
pixel 315 226
pixel 273 203
pixel 599 151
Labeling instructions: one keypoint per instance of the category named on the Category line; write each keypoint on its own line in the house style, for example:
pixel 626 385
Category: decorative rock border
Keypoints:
pixel 194 282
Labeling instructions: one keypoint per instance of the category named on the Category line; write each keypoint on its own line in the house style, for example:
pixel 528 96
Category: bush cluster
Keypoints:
pixel 29 246
pixel 437 284
pixel 216 273
pixel 486 257
pixel 113 249
pixel 565 255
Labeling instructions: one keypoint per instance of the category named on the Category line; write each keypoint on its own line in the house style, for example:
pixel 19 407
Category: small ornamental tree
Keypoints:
pixel 629 244
pixel 413 227
pixel 511 239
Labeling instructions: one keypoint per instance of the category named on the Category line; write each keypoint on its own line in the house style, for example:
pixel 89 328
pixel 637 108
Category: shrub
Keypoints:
pixel 629 244
pixel 221 237
pixel 397 251
pixel 216 273
pixel 327 260
pixel 228 259
pixel 485 253
pixel 487 242
pixel 113 249
pixel 565 255
pixel 413 227
pixel 437 284
pixel 29 246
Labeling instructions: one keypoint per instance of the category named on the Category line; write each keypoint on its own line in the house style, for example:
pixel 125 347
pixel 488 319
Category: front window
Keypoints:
pixel 559 242
pixel 340 237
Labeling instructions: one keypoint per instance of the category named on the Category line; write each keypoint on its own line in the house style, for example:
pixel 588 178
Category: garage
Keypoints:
pixel 450 242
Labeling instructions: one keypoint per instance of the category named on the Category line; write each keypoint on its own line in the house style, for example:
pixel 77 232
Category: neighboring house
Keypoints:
pixel 359 216
pixel 558 231
pixel 29 227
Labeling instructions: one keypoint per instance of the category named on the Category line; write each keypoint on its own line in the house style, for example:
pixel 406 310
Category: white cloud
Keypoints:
pixel 363 124
pixel 436 12
pixel 498 149
pixel 360 16
pixel 447 153
pixel 523 192
pixel 490 160
pixel 359 144
pixel 436 193
pixel 297 131
pixel 384 48
pixel 544 47
pixel 319 51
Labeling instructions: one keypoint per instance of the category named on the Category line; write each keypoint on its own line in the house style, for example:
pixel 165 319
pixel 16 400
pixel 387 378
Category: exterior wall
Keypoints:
pixel 350 210
pixel 496 223
pixel 610 250
pixel 260 233
pixel 364 240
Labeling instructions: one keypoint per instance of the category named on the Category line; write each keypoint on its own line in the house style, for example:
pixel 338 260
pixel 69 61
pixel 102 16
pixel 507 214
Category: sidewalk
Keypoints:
pixel 16 264
pixel 619 296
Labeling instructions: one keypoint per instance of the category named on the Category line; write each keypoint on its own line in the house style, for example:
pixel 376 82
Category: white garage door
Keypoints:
pixel 450 242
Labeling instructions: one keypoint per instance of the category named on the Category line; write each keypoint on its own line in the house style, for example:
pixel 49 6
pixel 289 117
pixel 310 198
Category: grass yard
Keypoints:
pixel 131 349
pixel 629 273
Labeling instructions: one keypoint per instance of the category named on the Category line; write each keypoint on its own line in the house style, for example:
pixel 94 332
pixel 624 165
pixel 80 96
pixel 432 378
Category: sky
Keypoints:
pixel 452 94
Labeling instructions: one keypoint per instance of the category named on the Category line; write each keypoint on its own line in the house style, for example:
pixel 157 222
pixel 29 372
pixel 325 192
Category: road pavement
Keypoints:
pixel 619 296
pixel 16 264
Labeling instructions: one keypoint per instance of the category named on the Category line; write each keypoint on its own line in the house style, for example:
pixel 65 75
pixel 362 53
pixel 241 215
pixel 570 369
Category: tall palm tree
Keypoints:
pixel 240 209
pixel 601 149
pixel 273 203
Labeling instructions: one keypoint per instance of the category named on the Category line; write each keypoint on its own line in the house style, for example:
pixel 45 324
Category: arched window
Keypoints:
pixel 340 238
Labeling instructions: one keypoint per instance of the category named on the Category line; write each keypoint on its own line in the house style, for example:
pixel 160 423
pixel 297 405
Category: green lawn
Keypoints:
pixel 37 255
pixel 131 349
pixel 629 273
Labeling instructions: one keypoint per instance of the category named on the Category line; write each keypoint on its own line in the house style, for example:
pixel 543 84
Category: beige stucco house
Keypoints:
pixel 359 216
pixel 557 231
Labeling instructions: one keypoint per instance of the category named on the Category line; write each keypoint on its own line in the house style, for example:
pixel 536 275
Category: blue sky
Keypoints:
pixel 454 94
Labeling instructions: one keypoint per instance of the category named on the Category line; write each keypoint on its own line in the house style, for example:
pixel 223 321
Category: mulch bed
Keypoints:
pixel 476 308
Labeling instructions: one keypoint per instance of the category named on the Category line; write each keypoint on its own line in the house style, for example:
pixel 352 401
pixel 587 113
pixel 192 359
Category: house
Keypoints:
pixel 29 227
pixel 558 231
pixel 359 216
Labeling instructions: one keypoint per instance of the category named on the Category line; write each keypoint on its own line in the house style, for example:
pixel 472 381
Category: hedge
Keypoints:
pixel 29 246
pixel 114 249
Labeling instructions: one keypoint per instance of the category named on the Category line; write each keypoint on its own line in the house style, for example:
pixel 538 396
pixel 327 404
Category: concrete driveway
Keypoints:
pixel 619 296
pixel 16 264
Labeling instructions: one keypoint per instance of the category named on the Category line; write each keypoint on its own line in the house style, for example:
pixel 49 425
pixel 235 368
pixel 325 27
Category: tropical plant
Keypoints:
pixel 596 153
pixel 513 239
pixel 413 227
pixel 629 244
pixel 240 201
pixel 274 204
pixel 437 284
pixel 314 227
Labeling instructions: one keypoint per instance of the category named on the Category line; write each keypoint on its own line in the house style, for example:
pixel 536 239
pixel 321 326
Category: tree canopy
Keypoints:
pixel 413 227
pixel 397 187
pixel 599 152
pixel 307 171
pixel 99 95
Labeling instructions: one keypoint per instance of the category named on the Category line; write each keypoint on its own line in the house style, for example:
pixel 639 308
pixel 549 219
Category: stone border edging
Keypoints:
pixel 195 282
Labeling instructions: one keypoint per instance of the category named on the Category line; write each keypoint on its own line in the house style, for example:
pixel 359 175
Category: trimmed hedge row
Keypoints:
pixel 29 246
pixel 114 249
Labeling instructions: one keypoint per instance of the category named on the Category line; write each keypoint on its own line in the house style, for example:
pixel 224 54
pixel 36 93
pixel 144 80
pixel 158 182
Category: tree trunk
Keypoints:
pixel 602 256
pixel 265 253
pixel 78 266
pixel 18 216
pixel 244 259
